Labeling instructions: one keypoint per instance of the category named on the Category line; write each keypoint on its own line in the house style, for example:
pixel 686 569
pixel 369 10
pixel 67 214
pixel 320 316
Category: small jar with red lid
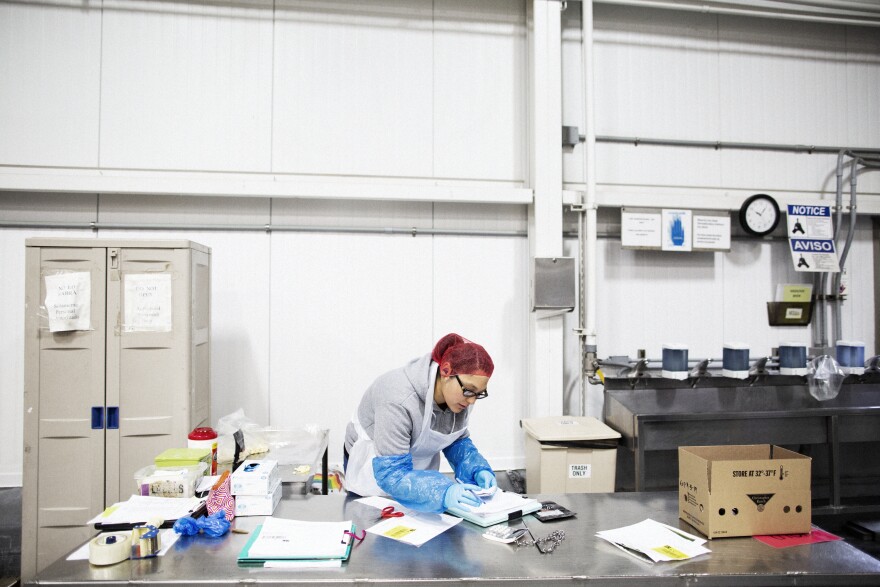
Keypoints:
pixel 205 437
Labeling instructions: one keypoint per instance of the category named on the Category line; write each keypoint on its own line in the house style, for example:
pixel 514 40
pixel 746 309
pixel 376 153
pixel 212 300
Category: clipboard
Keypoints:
pixel 296 541
pixel 140 519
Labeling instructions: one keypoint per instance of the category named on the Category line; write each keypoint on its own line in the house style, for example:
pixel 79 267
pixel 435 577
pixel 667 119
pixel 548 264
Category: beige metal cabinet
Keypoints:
pixel 117 369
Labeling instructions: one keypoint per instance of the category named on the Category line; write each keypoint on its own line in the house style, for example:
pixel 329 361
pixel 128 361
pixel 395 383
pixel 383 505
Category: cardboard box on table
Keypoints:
pixel 568 454
pixel 744 490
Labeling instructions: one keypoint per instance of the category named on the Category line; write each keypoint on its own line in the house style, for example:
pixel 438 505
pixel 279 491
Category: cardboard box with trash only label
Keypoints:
pixel 744 490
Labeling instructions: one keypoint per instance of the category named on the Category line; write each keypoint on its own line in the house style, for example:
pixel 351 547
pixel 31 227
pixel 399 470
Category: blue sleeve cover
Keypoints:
pixel 418 490
pixel 466 460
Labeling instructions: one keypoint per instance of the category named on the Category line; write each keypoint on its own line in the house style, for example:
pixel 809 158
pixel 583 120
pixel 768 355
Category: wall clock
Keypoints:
pixel 759 215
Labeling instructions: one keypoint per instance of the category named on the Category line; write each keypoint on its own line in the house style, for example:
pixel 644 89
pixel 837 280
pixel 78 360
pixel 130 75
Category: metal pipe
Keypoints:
pixel 294 228
pixel 852 14
pixel 717 145
pixel 838 310
pixel 414 231
pixel 822 278
pixel 589 342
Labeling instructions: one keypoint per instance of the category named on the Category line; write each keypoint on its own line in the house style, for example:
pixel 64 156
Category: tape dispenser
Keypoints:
pixel 146 540
pixel 109 549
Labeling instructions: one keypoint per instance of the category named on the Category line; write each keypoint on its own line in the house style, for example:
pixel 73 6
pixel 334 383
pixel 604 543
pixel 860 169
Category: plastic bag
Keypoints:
pixel 824 377
pixel 289 446
pixel 254 439
pixel 296 446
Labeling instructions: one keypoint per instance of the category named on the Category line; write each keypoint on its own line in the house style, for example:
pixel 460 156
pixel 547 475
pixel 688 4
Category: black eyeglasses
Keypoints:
pixel 469 393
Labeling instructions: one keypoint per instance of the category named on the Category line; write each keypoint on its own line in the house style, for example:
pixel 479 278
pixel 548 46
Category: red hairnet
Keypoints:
pixel 464 357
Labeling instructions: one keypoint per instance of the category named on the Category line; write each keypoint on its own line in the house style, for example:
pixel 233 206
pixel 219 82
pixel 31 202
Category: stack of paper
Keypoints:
pixel 279 542
pixel 655 541
pixel 140 509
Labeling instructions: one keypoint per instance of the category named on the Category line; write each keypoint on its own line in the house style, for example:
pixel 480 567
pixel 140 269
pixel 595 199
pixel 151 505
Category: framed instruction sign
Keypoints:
pixel 810 238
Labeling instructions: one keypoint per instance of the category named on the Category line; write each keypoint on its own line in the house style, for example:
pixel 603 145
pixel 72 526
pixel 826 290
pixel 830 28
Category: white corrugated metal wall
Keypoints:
pixel 400 112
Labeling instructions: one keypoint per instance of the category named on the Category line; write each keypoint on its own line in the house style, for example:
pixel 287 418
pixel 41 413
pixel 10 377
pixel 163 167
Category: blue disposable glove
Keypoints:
pixel 460 496
pixel 486 479
pixel 215 525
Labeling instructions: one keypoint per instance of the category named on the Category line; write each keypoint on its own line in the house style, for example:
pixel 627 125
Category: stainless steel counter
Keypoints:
pixel 664 419
pixel 463 557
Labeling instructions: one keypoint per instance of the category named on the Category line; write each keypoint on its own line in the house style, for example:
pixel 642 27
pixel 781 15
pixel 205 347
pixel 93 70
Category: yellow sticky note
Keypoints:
pixel 398 532
pixel 797 293
pixel 671 552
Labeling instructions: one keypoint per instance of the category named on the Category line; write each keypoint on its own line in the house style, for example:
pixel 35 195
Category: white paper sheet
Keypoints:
pixel 207 483
pixel 281 538
pixel 379 502
pixel 413 528
pixel 656 541
pixel 142 508
pixel 68 301
pixel 500 501
pixel 307 564
pixel 147 302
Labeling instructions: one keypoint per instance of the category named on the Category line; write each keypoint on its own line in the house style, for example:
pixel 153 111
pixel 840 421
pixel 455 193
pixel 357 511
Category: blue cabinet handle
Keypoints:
pixel 97 417
pixel 113 418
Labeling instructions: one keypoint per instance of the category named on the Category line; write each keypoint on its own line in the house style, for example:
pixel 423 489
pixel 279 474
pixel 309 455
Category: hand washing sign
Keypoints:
pixel 810 238
pixel 676 230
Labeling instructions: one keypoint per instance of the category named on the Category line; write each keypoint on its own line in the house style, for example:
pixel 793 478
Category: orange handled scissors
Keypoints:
pixel 389 512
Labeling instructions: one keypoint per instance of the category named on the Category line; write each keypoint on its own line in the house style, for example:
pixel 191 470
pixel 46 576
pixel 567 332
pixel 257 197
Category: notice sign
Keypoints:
pixel 810 233
pixel 147 302
pixel 580 471
pixel 640 229
pixel 809 221
pixel 69 301
pixel 711 231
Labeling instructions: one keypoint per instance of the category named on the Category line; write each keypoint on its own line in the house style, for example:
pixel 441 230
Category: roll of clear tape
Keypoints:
pixel 146 540
pixel 109 549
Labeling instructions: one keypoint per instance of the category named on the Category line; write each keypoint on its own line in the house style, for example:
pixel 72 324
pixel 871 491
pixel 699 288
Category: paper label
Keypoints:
pixel 796 293
pixel 640 229
pixel 794 313
pixel 760 499
pixel 147 302
pixel 711 232
pixel 69 301
pixel 399 532
pixel 580 471
pixel 671 552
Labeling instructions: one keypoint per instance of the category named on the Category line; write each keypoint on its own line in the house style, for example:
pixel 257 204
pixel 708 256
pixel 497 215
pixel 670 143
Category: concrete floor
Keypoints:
pixel 10 535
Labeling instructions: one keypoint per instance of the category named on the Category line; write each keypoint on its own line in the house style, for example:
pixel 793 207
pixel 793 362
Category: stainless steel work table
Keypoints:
pixel 751 412
pixel 463 557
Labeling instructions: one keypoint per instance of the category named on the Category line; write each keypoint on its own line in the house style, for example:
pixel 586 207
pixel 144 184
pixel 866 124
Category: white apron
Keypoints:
pixel 425 451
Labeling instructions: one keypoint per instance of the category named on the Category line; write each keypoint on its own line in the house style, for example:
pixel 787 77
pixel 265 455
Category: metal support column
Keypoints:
pixel 545 212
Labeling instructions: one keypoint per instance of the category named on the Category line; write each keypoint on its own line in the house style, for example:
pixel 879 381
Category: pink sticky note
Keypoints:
pixel 785 540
